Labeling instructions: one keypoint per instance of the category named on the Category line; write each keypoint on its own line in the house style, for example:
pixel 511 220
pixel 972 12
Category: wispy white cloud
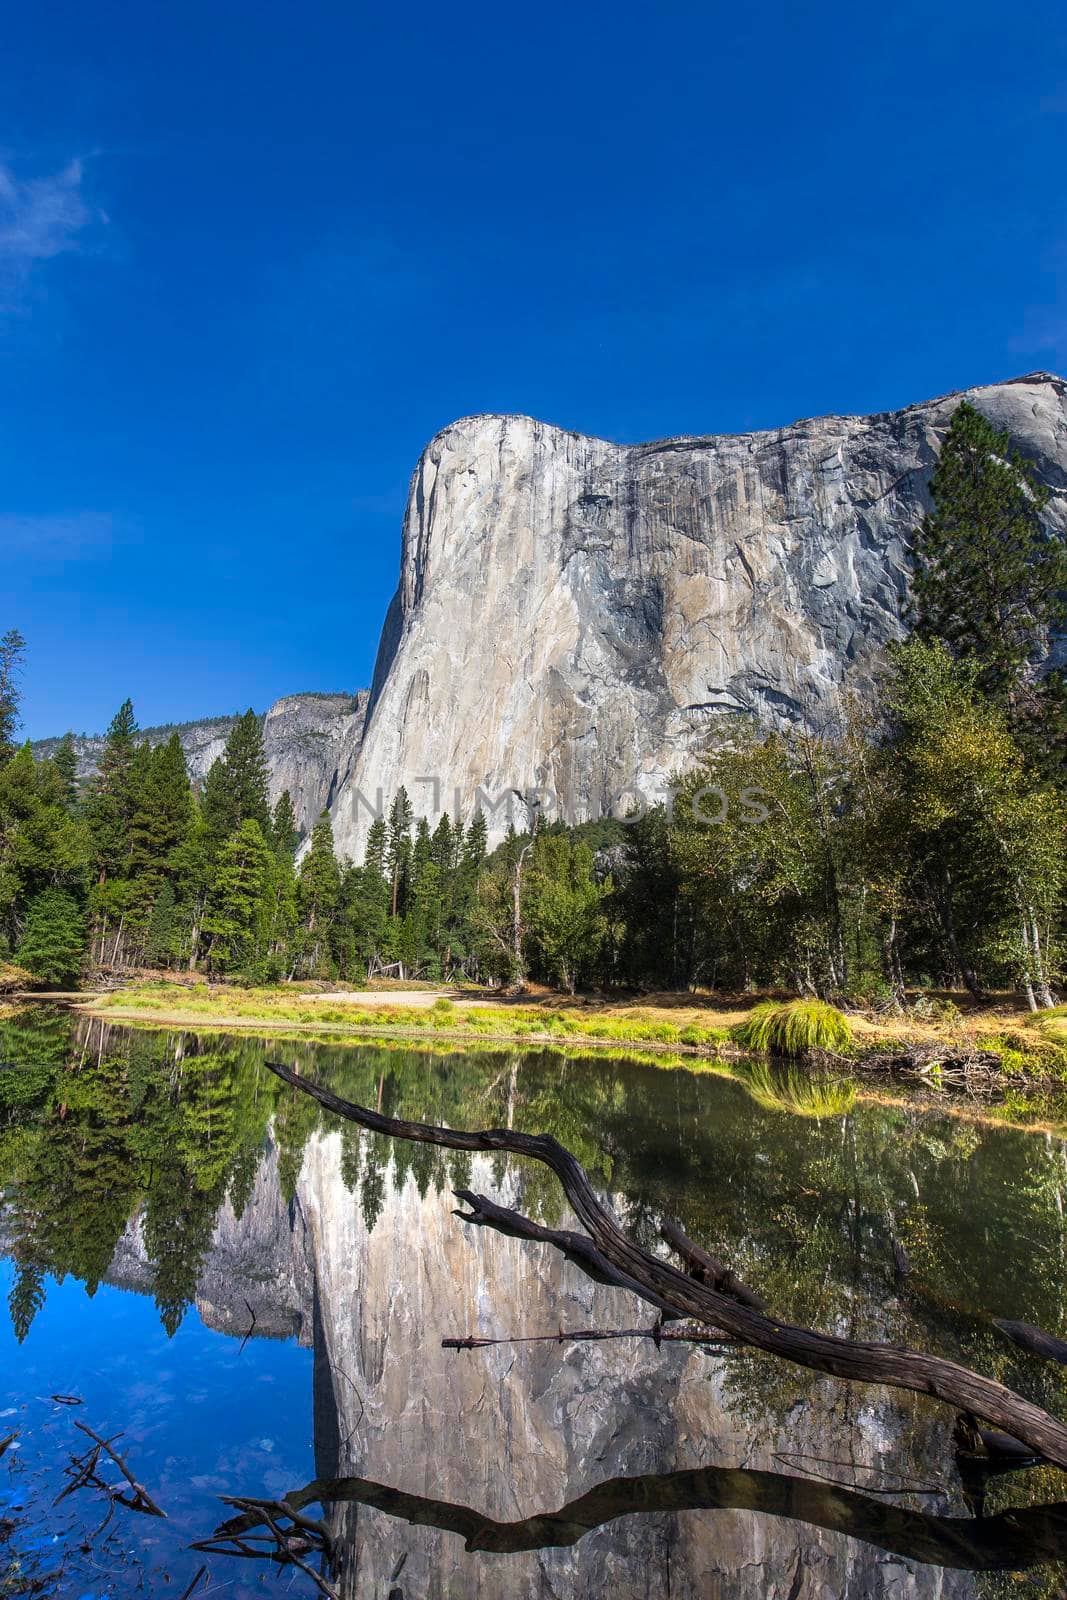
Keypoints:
pixel 63 535
pixel 40 218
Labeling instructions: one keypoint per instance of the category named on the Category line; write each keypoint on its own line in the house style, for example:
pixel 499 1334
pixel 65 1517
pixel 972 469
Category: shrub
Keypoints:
pixel 794 1028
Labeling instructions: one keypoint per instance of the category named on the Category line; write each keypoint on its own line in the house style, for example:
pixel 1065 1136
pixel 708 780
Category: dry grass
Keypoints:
pixel 13 979
pixel 691 1023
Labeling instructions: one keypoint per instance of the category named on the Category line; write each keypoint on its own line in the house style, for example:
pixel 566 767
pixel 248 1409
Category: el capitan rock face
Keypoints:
pixel 580 616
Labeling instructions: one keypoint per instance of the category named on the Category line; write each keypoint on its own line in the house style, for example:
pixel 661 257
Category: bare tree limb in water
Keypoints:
pixel 659 1282
pixel 1010 1540
pixel 83 1473
pixel 283 1546
pixel 659 1333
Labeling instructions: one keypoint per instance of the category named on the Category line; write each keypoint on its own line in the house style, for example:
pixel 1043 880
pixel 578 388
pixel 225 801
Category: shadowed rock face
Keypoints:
pixel 580 616
pixel 311 743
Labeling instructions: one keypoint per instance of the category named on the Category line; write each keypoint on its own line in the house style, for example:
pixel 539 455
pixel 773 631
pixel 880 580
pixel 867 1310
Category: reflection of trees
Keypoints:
pixel 110 1124
pixel 98 1125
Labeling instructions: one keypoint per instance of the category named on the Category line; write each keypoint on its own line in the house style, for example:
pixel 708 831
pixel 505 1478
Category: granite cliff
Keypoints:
pixel 578 616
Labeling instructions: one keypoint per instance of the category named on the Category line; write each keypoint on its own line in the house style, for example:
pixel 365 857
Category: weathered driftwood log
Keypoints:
pixel 999 1449
pixel 859 1360
pixel 1013 1539
pixel 707 1268
pixel 575 1246
pixel 1036 1340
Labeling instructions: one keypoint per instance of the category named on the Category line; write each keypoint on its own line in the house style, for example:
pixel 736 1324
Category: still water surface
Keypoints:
pixel 256 1297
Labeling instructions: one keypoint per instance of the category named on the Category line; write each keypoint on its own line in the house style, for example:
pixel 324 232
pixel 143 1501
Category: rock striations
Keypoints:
pixel 579 617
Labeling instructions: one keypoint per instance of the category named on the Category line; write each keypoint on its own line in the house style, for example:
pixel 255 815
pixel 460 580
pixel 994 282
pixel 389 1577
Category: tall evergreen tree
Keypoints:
pixel 990 577
pixel 234 916
pixel 65 761
pixel 12 650
pixel 319 895
pixel 284 832
pixel 161 932
pixel 236 786
pixel 109 803
pixel 52 946
pixel 398 849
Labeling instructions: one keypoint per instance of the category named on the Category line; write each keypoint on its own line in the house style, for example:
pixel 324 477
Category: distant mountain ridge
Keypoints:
pixel 310 740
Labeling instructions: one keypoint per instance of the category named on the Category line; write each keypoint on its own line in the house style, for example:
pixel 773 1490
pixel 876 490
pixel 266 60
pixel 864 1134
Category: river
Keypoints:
pixel 201 1259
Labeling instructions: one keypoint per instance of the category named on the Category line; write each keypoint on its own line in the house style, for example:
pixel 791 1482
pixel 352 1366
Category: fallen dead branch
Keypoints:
pixel 708 1268
pixel 979 1072
pixel 662 1284
pixel 1013 1539
pixel 1036 1340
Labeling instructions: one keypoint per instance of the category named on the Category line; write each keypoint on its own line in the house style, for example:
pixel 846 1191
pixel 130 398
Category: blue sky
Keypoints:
pixel 253 256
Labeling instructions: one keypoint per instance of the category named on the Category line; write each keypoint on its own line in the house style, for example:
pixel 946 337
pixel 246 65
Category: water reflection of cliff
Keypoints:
pixel 180 1168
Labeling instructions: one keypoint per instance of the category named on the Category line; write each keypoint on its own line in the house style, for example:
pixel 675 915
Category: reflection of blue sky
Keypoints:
pixel 200 1417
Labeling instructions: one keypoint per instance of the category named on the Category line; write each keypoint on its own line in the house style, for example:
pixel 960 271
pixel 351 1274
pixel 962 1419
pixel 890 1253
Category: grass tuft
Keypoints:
pixel 793 1028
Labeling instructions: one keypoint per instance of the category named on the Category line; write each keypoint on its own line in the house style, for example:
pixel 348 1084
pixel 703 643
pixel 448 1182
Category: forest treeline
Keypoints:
pixel 922 840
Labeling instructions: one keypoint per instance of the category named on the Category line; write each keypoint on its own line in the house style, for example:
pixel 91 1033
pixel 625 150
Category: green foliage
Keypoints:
pixel 12 649
pixel 565 924
pixel 52 946
pixel 794 1028
pixel 234 915
pixel 65 761
pixel 285 835
pixel 990 579
pixel 236 787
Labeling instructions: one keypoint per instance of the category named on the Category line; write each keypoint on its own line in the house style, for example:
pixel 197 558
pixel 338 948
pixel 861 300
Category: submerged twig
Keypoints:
pixel 188 1591
pixel 83 1474
pixel 282 1546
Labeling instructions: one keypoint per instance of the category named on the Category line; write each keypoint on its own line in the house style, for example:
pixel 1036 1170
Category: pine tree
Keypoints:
pixel 235 907
pixel 65 761
pixel 366 897
pixel 26 1297
pixel 52 946
pixel 990 578
pixel 41 845
pixel 161 931
pixel 12 649
pixel 470 860
pixel 398 849
pixel 236 786
pixel 161 814
pixel 110 798
pixel 285 834
pixel 191 865
pixel 318 897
